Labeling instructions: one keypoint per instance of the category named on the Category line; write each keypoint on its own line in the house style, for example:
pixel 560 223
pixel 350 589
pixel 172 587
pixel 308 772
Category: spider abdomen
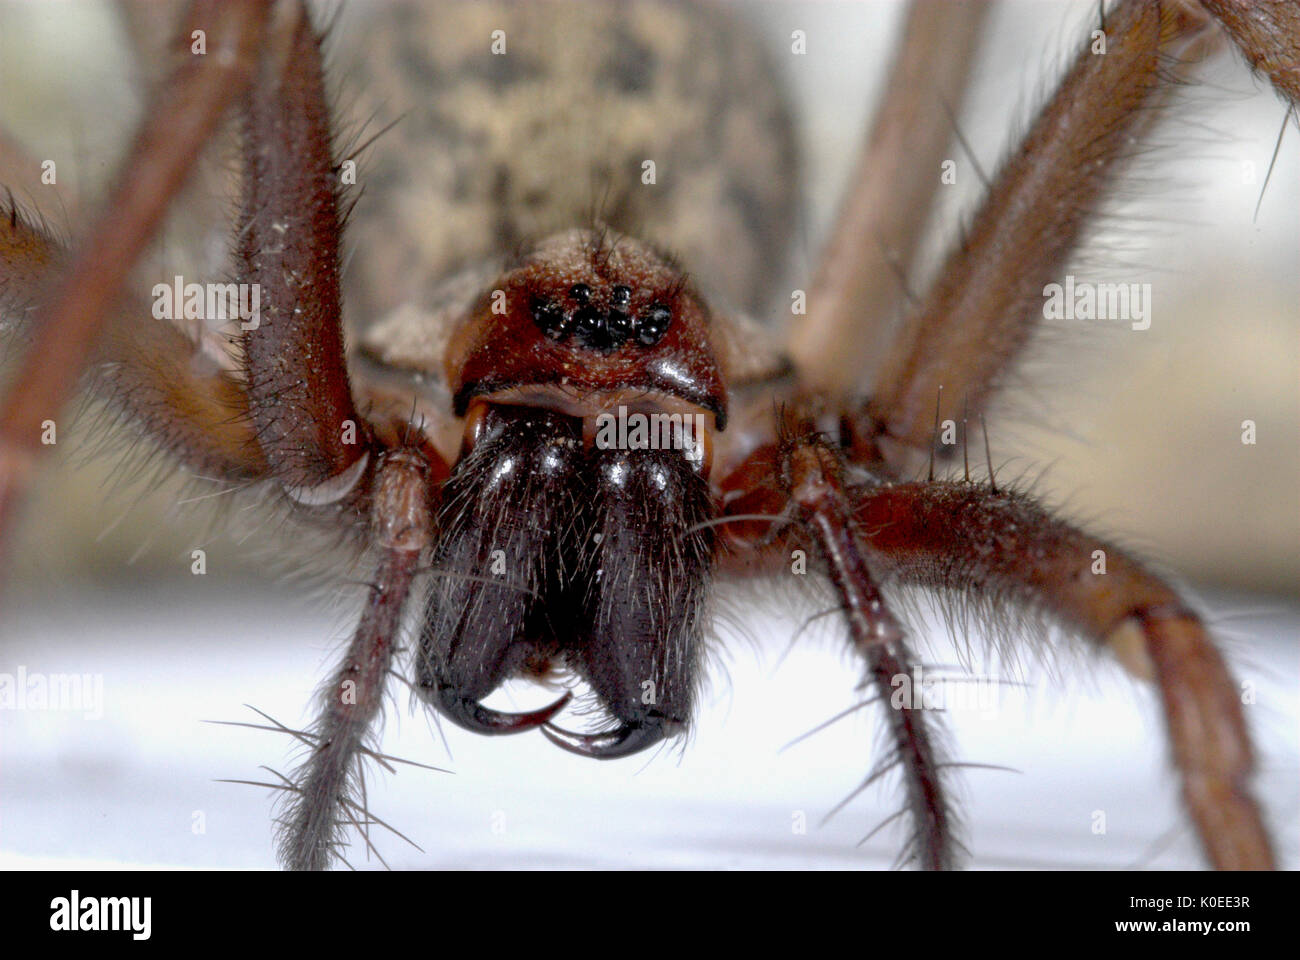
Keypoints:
pixel 515 141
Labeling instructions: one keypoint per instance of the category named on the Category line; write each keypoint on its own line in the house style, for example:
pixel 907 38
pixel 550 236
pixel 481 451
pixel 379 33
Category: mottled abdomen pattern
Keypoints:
pixel 663 122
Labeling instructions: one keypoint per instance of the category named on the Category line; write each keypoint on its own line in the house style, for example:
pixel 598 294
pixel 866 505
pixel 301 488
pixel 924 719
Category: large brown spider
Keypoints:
pixel 469 441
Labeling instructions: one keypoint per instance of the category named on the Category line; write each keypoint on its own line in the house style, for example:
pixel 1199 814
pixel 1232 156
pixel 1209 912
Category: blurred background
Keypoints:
pixel 1141 432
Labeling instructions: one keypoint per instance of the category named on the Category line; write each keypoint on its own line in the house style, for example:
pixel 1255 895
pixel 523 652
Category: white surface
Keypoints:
pixel 124 789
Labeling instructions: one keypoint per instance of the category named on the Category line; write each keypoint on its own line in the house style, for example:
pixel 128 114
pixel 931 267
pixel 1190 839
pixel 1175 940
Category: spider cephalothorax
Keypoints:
pixel 614 316
pixel 570 437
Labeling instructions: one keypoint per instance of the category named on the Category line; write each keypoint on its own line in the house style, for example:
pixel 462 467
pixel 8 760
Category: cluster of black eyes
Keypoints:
pixel 602 329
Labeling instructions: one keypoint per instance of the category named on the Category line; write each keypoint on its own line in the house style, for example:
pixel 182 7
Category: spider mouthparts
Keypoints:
pixel 628 739
pixel 473 716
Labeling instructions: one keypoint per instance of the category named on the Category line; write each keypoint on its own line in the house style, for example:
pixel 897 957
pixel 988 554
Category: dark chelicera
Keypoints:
pixel 604 328
pixel 609 555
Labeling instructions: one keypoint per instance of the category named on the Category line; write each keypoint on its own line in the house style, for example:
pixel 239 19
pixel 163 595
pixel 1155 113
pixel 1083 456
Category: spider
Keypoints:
pixel 465 451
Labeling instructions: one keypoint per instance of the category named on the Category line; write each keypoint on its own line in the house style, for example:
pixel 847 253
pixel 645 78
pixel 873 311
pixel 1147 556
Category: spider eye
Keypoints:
pixel 621 326
pixel 654 324
pixel 551 319
pixel 581 294
pixel 593 329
